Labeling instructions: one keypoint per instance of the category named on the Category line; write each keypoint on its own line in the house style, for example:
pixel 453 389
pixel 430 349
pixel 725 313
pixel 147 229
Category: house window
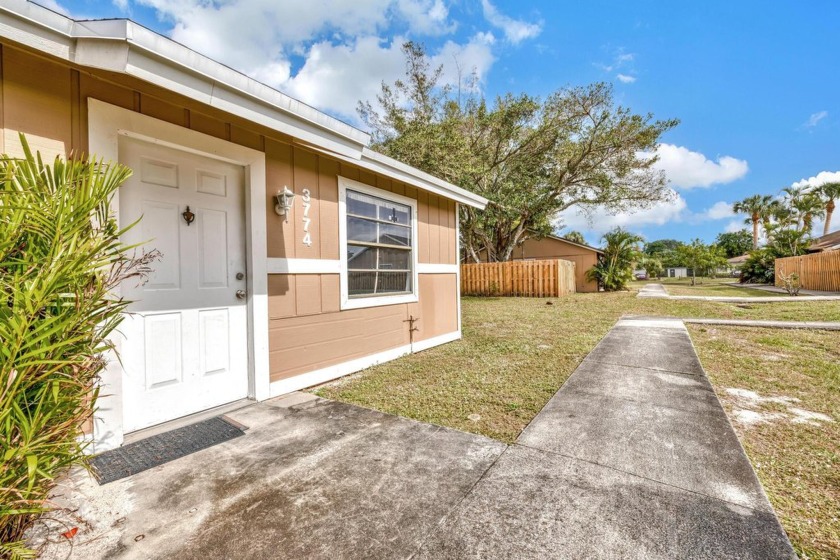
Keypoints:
pixel 378 245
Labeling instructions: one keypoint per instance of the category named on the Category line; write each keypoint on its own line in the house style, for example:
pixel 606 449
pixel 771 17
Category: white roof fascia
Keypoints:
pixel 124 47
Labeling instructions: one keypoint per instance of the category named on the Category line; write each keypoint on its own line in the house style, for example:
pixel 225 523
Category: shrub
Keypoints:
pixel 615 269
pixel 60 258
pixel 760 267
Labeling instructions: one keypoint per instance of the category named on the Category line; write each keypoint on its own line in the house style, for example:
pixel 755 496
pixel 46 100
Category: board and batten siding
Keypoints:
pixel 47 100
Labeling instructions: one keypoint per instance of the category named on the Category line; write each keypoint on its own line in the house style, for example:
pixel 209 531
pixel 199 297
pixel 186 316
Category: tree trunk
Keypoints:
pixel 755 232
pixel 829 210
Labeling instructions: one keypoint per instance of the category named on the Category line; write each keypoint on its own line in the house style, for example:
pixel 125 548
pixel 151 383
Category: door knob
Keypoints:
pixel 240 294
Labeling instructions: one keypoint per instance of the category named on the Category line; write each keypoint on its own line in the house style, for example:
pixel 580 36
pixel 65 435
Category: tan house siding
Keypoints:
pixel 549 248
pixel 47 100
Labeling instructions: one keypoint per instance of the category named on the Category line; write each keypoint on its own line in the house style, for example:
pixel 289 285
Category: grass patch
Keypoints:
pixel 516 353
pixel 797 459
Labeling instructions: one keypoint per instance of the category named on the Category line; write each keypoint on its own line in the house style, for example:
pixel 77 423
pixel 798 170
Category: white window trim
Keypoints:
pixel 372 301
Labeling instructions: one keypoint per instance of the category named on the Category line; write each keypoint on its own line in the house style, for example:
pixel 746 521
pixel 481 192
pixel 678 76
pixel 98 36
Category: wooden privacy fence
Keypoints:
pixel 819 271
pixel 543 278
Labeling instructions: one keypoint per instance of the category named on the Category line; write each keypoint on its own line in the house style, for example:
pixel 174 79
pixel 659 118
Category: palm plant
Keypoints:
pixel 615 269
pixel 757 208
pixel 60 260
pixel 808 205
pixel 829 192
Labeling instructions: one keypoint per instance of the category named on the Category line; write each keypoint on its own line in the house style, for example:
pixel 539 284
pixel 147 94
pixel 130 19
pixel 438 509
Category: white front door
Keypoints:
pixel 186 335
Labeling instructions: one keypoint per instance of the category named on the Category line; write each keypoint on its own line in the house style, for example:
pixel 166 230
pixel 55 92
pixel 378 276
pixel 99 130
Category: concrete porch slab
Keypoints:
pixel 317 479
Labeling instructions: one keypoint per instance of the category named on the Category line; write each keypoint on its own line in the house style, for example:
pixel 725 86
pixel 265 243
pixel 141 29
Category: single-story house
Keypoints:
pixel 677 272
pixel 553 247
pixel 292 253
pixel 736 263
pixel 829 242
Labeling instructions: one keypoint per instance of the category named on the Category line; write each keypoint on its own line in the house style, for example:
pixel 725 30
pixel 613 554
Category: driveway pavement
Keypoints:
pixel 633 458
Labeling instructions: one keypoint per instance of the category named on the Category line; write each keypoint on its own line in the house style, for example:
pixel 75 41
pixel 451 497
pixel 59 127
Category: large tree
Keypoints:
pixel 531 158
pixel 734 243
pixel 758 209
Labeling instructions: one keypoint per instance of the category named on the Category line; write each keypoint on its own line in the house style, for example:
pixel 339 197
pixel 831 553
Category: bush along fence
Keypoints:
pixel 819 271
pixel 538 278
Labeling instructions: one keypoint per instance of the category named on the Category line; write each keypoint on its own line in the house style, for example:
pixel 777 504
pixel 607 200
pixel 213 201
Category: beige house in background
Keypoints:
pixel 553 247
pixel 292 253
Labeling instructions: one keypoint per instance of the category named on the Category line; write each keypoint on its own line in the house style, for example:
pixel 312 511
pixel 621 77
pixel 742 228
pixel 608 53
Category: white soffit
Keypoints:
pixel 125 47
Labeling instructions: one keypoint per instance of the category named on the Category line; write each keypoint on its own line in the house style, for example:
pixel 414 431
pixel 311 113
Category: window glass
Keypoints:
pixel 379 253
pixel 359 229
pixel 394 235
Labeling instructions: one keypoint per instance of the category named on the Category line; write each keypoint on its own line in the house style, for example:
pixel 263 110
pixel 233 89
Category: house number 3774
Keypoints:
pixel 307 204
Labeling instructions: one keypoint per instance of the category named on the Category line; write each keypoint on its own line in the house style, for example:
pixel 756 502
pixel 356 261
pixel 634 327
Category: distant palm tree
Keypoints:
pixel 829 192
pixel 615 268
pixel 758 209
pixel 808 205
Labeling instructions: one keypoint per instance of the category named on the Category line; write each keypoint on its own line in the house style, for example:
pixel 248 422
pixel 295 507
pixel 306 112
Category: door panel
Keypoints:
pixel 185 346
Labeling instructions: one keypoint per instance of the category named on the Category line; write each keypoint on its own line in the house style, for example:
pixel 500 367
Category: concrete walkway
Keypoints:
pixel 816 325
pixel 659 291
pixel 777 290
pixel 632 458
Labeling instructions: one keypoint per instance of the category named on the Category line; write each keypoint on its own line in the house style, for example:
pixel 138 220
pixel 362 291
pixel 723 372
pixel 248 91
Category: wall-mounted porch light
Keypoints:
pixel 283 202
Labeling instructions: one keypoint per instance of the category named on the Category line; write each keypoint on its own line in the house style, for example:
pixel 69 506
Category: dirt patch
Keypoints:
pixel 748 407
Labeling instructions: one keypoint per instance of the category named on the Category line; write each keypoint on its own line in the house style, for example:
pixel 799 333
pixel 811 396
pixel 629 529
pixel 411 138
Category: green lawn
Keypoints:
pixel 796 454
pixel 708 287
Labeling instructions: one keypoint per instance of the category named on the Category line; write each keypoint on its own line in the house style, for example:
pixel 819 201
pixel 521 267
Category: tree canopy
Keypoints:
pixel 735 243
pixel 530 158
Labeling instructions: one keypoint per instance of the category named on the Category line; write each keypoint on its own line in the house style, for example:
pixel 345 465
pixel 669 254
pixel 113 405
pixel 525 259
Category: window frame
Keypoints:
pixel 347 302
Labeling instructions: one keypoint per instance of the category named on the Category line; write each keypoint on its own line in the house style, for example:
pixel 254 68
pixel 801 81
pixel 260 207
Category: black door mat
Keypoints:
pixel 156 450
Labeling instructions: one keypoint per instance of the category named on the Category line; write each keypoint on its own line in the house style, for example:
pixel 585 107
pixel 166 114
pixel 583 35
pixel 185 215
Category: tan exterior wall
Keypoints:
pixel 550 248
pixel 47 100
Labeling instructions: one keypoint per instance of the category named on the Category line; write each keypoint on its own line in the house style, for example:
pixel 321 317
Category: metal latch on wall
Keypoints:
pixel 411 328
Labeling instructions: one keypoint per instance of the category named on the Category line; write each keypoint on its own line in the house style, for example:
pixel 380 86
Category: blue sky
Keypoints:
pixel 755 84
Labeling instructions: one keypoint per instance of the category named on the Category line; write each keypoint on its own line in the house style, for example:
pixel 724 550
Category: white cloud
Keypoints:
pixel 818 179
pixel 815 119
pixel 686 169
pixel 428 17
pixel 625 78
pixel 337 76
pixel 330 53
pixel 515 30
pixel 735 225
pixel 599 221
pixel 718 211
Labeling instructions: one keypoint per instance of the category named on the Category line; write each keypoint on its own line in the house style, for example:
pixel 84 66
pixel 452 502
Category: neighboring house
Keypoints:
pixel 830 242
pixel 553 247
pixel 251 300
pixel 677 272
pixel 735 263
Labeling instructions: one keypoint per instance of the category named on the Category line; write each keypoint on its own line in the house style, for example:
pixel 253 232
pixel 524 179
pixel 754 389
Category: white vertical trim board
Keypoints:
pixel 106 124
pixel 318 376
pixel 458 260
pixel 373 301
